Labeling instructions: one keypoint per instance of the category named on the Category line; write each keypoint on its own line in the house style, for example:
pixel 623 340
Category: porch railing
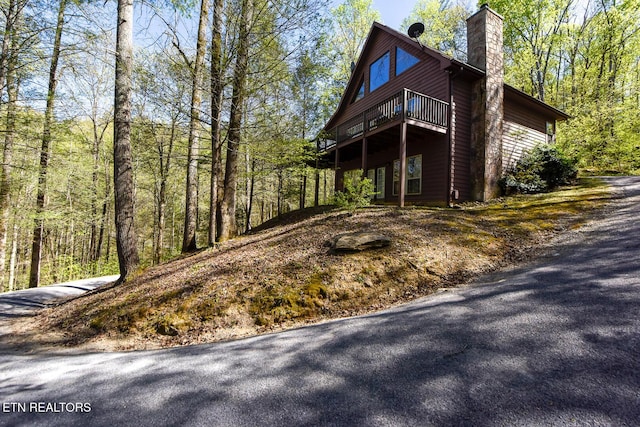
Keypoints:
pixel 426 109
pixel 413 106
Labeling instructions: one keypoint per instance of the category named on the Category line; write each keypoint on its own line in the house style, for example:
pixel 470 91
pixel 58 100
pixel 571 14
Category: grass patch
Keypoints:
pixel 281 303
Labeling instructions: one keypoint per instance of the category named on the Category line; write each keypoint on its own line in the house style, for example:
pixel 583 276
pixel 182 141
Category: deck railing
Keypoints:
pixel 426 109
pixel 406 104
pixel 325 142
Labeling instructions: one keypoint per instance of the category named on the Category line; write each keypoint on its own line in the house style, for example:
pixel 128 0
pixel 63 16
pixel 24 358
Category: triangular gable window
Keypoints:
pixel 404 61
pixel 360 93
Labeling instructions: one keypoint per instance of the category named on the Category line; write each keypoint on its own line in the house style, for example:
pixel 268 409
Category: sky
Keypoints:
pixel 394 11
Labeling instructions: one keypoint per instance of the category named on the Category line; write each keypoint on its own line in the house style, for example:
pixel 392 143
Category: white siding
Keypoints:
pixel 516 140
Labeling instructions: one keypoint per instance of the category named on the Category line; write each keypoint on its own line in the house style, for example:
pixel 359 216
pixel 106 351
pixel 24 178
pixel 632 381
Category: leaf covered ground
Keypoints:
pixel 287 275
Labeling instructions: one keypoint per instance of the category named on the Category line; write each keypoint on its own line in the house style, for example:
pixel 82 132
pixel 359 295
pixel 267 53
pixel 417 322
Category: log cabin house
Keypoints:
pixel 430 129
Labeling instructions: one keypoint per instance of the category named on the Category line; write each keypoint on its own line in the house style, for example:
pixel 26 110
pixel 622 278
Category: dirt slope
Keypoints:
pixel 288 275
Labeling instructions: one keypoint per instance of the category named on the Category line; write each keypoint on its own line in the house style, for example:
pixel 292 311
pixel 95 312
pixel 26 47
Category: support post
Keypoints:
pixel 335 168
pixel 403 163
pixel 364 163
pixel 316 195
pixel 403 150
pixel 451 135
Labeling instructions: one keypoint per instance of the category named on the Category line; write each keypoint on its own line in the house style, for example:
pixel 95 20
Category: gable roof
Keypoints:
pixel 446 62
pixel 376 29
pixel 535 102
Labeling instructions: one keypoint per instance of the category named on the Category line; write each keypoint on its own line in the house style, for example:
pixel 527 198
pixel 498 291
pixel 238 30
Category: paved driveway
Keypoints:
pixel 20 303
pixel 556 342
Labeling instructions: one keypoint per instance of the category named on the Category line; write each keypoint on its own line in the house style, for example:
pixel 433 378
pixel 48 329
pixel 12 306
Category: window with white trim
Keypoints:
pixel 380 176
pixel 413 181
pixel 377 177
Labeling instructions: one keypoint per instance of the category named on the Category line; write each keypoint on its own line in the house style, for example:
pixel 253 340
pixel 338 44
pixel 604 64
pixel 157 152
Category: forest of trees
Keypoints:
pixel 195 120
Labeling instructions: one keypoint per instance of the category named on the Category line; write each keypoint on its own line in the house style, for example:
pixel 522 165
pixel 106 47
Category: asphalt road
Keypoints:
pixel 23 303
pixel 20 303
pixel 556 342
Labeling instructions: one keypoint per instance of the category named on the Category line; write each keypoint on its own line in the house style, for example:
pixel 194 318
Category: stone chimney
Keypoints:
pixel 484 41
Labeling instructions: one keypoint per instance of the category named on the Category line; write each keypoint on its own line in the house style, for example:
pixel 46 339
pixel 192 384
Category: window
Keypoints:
pixel 353 176
pixel 414 175
pixel 380 174
pixel 377 178
pixel 371 175
pixel 551 128
pixel 551 132
pixel 360 93
pixel 379 72
pixel 404 61
pixel 413 183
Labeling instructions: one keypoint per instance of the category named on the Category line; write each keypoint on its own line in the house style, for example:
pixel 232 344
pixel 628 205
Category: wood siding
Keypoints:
pixel 523 114
pixel 426 77
pixel 524 128
pixel 384 149
pixel 461 128
pixel 516 141
pixel 446 158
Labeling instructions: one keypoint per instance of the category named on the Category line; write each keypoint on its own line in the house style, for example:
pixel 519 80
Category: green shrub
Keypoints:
pixel 357 192
pixel 542 169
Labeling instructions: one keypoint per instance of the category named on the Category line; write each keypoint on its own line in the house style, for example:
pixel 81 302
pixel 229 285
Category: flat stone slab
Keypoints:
pixel 360 241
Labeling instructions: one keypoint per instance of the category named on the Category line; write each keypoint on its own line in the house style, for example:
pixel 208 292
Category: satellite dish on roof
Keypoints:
pixel 416 30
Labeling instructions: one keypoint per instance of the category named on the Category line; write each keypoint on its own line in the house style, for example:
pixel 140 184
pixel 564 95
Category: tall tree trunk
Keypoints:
pixel 189 241
pixel 14 257
pixel 280 182
pixel 157 256
pixel 303 189
pixel 216 107
pixel 95 151
pixel 97 232
pixel 126 238
pixel 229 201
pixel 162 198
pixel 12 14
pixel 6 40
pixel 251 183
pixel 105 212
pixel 316 196
pixel 38 230
pixel 7 152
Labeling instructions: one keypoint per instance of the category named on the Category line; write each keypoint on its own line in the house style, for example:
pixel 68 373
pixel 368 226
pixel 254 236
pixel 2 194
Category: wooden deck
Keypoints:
pixel 405 106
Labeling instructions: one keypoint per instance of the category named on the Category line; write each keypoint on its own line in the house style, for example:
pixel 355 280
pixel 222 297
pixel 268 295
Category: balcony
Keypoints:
pixel 414 108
